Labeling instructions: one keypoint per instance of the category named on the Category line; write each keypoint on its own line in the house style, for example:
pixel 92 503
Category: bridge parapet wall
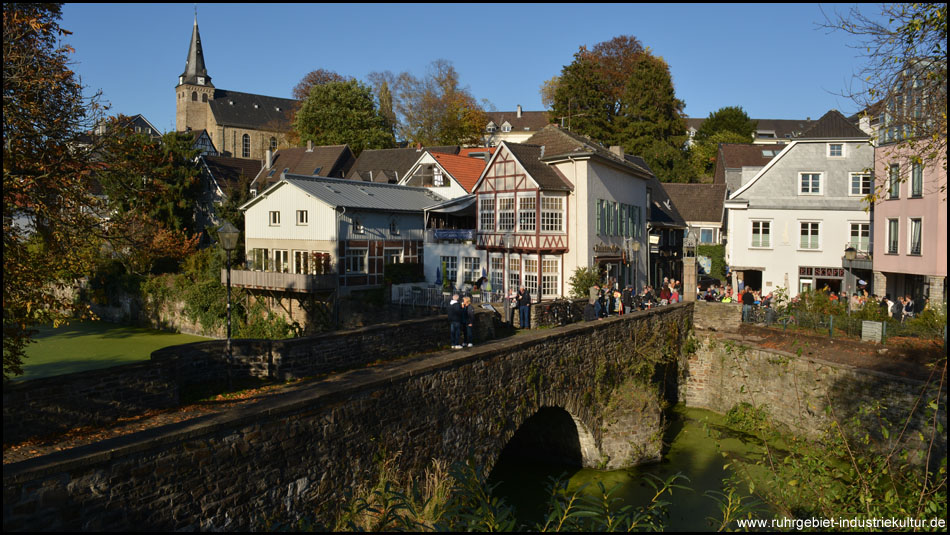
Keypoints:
pixel 307 448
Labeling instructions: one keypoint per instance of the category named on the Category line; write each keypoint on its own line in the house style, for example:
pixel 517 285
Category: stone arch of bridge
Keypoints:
pixel 553 433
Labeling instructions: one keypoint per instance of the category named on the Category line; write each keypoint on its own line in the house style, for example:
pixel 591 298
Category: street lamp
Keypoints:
pixel 636 261
pixel 228 236
pixel 850 253
pixel 507 240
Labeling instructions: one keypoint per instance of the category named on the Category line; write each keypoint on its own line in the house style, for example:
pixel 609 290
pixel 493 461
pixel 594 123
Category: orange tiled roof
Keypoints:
pixel 466 152
pixel 464 169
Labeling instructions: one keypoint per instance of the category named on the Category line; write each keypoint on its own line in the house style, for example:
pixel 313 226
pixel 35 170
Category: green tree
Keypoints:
pixel 317 77
pixel 49 226
pixel 151 188
pixel 343 112
pixel 618 93
pixel 727 119
pixel 435 109
pixel 703 154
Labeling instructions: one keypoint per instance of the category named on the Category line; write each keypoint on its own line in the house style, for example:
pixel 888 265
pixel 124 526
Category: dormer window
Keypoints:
pixel 506 127
pixel 491 127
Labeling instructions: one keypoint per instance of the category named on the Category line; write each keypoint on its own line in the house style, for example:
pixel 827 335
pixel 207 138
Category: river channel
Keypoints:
pixel 700 446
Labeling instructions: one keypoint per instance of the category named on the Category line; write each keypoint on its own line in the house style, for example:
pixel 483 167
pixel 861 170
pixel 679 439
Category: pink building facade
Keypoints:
pixel 910 226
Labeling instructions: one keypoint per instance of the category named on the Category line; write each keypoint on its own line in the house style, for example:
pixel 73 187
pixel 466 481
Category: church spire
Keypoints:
pixel 195 71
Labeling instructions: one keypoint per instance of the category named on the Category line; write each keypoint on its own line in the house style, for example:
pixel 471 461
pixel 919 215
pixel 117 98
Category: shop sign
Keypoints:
pixel 822 272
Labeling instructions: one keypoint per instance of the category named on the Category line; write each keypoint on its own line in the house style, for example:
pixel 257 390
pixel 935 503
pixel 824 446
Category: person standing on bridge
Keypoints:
pixel 468 320
pixel 455 321
pixel 747 301
pixel 524 308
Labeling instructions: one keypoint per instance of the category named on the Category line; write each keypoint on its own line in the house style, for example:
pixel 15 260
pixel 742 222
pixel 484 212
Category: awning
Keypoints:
pixel 454 206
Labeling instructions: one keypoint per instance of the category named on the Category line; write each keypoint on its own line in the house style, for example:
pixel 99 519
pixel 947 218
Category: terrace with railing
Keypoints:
pixel 288 282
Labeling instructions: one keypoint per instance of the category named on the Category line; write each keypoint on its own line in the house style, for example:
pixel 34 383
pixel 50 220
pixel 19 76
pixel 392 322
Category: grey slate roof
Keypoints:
pixel 558 142
pixel 547 177
pixel 195 62
pixel 698 202
pixel 833 125
pixel 361 195
pixel 739 155
pixel 390 165
pixel 663 213
pixel 258 112
pixel 529 120
pixel 330 161
pixel 228 171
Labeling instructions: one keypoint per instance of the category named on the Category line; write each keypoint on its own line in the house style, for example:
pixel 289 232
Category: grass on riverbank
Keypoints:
pixel 90 345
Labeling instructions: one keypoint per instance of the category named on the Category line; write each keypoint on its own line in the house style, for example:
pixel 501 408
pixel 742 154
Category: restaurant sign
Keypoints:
pixel 824 272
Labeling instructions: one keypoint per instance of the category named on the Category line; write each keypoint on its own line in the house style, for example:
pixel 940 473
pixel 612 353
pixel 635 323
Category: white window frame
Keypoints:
pixel 451 268
pixel 246 146
pixel 486 212
pixel 496 273
pixel 302 217
pixel 866 179
pixel 388 252
pixel 471 269
pixel 273 218
pixel 550 278
pixel 712 232
pixel 506 127
pixel 864 227
pixel 529 275
pixel 894 181
pixel 355 260
pixel 301 262
pixel 752 223
pixel 514 271
pixel 821 183
pixel 910 236
pixel 844 150
pixel 506 217
pixel 281 260
pixel 527 215
pixel 552 219
pixel 916 186
pixel 891 235
pixel 817 246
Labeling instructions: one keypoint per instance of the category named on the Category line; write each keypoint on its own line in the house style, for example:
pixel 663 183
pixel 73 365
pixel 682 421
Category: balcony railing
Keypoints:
pixel 287 282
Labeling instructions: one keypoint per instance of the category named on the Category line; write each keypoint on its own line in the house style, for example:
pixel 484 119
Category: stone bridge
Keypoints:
pixel 601 386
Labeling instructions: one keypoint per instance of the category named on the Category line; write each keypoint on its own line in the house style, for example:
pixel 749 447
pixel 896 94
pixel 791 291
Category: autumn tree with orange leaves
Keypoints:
pixel 49 222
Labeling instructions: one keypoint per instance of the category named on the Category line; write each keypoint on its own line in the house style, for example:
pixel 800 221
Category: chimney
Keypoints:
pixel 519 111
pixel 268 159
pixel 310 145
pixel 618 150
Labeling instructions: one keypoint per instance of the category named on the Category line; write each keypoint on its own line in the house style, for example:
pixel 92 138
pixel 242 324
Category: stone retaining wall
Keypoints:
pixel 715 316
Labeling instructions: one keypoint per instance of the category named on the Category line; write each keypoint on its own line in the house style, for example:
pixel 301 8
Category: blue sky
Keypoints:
pixel 771 59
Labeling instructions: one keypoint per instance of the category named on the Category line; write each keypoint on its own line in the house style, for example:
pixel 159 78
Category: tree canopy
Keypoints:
pixel 903 84
pixel 316 77
pixel 618 93
pixel 343 112
pixel 727 119
pixel 49 227
pixel 433 110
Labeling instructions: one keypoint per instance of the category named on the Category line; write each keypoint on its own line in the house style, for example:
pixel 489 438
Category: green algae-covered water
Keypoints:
pixel 700 447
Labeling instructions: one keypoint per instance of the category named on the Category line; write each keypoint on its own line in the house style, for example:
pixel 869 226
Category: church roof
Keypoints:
pixel 245 110
pixel 195 62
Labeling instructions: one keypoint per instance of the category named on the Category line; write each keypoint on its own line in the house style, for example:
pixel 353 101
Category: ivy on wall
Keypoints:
pixel 717 253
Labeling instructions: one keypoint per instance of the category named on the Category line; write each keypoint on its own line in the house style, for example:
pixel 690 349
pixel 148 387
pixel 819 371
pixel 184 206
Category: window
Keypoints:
pixel 392 256
pixel 526 214
pixel 471 269
pixel 506 127
pixel 894 182
pixel 246 146
pixel 301 217
pixel 893 233
pixel 274 218
pixel 552 214
pixel 451 264
pixel 506 213
pixel 601 218
pixel 437 180
pixel 491 127
pixel 637 226
pixel 497 273
pixel 860 236
pixel 204 97
pixel 835 150
pixel 615 214
pixel 860 184
pixel 301 262
pixel 810 184
pixel 259 260
pixel 706 235
pixel 393 228
pixel 550 278
pixel 194 96
pixel 273 144
pixel 514 272
pixel 914 241
pixel 531 276
pixel 282 261
pixel 486 214
pixel 761 236
pixel 809 235
pixel 355 260
pixel 917 181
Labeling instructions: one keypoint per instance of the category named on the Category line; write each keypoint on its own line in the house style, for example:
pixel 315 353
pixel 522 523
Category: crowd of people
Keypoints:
pixel 611 300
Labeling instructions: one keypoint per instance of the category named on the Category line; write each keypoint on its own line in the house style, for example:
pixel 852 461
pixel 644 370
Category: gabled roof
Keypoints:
pixel 739 155
pixel 465 170
pixel 330 161
pixel 259 112
pixel 228 172
pixel 833 125
pixel 697 202
pixel 663 213
pixel 546 176
pixel 529 121
pixel 559 143
pixel 390 165
pixel 357 195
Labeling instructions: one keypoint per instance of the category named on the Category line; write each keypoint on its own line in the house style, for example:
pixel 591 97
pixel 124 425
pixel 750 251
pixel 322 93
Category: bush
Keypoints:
pixel 582 280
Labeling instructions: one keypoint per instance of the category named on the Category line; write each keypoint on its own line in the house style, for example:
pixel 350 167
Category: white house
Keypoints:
pixel 790 224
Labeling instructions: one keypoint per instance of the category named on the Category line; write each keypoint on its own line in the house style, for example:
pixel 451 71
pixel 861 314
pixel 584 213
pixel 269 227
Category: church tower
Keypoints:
pixel 194 90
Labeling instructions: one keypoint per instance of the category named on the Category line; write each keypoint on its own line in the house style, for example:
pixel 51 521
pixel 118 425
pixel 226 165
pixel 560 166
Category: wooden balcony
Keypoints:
pixel 286 282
